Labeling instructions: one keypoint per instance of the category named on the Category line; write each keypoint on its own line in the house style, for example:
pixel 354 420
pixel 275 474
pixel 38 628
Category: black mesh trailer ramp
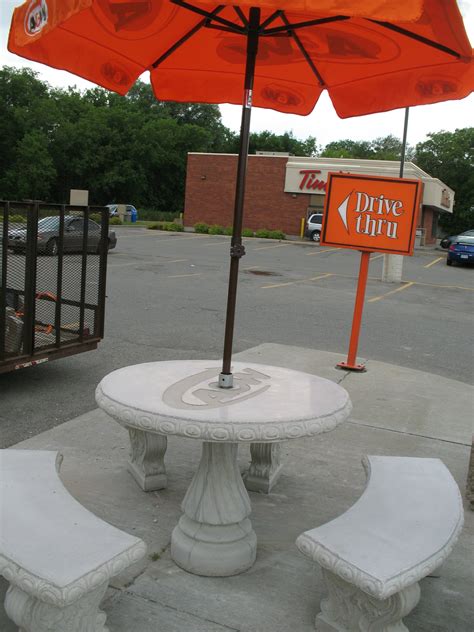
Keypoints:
pixel 53 265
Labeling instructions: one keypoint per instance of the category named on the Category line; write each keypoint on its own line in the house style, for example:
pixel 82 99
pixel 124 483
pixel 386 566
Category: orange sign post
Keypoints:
pixel 370 214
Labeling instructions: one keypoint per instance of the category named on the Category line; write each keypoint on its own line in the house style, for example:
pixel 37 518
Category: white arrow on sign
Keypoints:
pixel 342 210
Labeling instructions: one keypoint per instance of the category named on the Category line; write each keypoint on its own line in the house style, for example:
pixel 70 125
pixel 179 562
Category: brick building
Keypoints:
pixel 281 190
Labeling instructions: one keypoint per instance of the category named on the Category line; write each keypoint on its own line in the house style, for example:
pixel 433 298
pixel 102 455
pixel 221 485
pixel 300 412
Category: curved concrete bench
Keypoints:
pixel 56 555
pixel 403 526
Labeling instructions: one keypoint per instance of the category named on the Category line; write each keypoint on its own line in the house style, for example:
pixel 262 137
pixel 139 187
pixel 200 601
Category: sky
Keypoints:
pixel 323 123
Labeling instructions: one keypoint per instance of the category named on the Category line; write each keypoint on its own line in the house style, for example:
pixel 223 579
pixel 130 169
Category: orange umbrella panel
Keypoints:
pixel 370 56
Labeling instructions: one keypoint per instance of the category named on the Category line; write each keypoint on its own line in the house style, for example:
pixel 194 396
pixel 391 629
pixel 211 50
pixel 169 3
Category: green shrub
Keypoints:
pixel 18 219
pixel 171 226
pixel 215 229
pixel 262 233
pixel 228 230
pixel 247 232
pixel 156 216
pixel 177 228
pixel 96 217
pixel 276 234
pixel 115 221
pixel 201 228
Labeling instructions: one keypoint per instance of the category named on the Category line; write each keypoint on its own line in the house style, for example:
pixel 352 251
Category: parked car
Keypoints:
pixel 48 236
pixel 130 210
pixel 447 241
pixel 461 251
pixel 313 226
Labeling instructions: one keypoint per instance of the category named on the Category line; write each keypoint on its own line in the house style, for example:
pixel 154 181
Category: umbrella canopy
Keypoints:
pixel 370 56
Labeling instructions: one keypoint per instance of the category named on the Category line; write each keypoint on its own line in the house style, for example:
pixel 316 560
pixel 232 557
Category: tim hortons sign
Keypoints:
pixel 370 213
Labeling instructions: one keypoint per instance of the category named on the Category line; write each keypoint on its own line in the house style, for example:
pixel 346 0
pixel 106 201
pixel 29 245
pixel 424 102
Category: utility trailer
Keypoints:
pixel 53 265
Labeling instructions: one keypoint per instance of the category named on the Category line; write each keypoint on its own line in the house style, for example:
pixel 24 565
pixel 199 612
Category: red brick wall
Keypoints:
pixel 211 200
pixel 428 226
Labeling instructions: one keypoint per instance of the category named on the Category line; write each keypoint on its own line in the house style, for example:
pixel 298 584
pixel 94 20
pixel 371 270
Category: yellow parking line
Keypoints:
pixel 273 246
pixel 318 252
pixel 217 242
pixel 448 287
pixel 321 276
pixel 399 289
pixel 179 276
pixel 428 265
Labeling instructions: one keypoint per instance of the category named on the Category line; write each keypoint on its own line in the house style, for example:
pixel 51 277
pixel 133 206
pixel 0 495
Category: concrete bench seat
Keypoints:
pixel 56 555
pixel 403 526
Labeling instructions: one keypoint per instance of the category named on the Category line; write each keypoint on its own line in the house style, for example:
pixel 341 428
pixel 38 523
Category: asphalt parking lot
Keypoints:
pixel 167 298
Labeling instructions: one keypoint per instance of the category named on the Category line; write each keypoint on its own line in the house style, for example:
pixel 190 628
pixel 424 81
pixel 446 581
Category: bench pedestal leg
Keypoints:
pixel 348 609
pixel 147 465
pixel 33 615
pixel 265 468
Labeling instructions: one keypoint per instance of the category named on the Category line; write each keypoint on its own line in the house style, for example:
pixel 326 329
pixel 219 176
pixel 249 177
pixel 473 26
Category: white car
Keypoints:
pixel 314 225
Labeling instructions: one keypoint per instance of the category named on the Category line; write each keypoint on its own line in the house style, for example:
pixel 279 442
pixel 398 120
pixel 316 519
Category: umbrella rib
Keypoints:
pixel 185 37
pixel 242 16
pixel 185 5
pixel 303 50
pixel 300 25
pixel 419 38
pixel 270 19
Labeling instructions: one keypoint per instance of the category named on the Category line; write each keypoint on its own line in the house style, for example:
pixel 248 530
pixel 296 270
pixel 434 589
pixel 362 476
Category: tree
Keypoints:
pixel 449 156
pixel 34 174
pixel 348 149
pixel 383 148
pixel 268 141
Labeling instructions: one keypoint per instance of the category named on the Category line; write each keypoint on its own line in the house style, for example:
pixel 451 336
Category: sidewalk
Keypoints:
pixel 397 411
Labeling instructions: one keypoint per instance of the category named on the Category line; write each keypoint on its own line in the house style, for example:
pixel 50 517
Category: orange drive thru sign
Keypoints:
pixel 371 213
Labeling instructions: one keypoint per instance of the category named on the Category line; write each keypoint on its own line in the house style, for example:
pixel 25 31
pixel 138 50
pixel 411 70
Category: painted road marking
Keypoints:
pixel 399 289
pixel 217 243
pixel 377 257
pixel 321 276
pixel 318 252
pixel 448 287
pixel 272 246
pixel 180 276
pixel 176 261
pixel 428 265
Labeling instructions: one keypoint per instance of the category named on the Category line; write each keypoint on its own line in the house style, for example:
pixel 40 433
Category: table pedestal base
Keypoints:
pixel 213 550
pixel 214 537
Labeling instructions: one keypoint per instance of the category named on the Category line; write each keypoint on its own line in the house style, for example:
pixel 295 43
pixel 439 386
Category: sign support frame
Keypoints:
pixel 351 362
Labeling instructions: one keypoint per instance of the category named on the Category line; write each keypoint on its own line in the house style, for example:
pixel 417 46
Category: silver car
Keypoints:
pixel 48 236
pixel 314 225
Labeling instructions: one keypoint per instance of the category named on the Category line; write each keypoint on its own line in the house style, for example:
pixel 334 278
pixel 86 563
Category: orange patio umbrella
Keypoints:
pixel 370 56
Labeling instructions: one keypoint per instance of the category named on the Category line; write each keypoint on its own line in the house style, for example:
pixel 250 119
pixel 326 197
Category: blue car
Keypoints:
pixel 461 251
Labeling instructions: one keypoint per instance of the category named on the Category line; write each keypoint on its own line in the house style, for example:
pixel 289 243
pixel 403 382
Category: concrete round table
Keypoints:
pixel 214 537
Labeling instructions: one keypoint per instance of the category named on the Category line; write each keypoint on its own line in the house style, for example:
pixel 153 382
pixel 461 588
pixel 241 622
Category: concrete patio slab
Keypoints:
pixel 322 477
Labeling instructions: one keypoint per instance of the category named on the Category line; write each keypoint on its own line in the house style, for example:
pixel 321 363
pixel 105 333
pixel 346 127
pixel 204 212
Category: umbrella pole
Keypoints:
pixel 237 249
pixel 393 264
pixel 404 143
